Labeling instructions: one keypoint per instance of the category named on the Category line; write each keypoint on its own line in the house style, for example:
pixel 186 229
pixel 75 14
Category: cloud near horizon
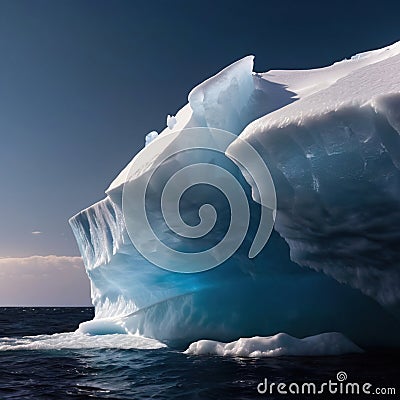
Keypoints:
pixel 43 281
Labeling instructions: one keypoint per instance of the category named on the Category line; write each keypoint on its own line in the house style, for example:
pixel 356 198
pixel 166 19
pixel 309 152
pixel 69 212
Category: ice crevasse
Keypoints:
pixel 330 138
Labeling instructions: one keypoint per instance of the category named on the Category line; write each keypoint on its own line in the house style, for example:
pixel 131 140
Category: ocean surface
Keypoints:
pixel 40 358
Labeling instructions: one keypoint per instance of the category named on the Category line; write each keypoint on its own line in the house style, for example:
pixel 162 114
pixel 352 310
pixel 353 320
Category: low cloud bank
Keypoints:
pixel 43 281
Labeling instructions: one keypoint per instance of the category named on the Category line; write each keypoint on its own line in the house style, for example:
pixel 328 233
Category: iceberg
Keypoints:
pixel 313 162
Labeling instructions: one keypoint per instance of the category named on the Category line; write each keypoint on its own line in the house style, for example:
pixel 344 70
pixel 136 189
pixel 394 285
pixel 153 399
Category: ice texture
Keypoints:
pixel 150 137
pixel 330 138
pixel 171 121
pixel 334 156
pixel 281 344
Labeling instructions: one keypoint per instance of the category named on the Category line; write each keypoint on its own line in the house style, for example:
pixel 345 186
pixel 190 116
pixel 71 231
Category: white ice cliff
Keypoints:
pixel 330 139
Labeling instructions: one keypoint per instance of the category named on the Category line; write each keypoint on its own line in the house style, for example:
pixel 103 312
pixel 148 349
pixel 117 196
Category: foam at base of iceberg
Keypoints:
pixel 77 341
pixel 330 138
pixel 256 347
pixel 281 344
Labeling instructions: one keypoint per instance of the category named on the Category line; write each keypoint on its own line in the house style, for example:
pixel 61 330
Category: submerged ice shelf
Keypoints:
pixel 330 138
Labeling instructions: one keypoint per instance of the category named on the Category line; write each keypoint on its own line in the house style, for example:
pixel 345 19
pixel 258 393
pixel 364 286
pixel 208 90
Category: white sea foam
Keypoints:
pixel 77 340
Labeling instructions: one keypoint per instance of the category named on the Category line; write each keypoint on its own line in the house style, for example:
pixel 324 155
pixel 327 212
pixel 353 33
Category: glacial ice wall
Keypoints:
pixel 339 189
pixel 334 156
pixel 330 140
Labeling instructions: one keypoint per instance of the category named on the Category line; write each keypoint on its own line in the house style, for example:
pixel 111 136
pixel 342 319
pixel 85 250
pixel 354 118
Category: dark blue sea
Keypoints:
pixel 40 360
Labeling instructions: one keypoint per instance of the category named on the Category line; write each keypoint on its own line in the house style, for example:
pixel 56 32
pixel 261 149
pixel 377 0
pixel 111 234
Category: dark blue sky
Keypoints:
pixel 82 82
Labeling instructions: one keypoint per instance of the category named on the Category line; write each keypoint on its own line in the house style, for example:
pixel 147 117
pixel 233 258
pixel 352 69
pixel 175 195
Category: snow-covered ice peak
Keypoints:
pixel 318 90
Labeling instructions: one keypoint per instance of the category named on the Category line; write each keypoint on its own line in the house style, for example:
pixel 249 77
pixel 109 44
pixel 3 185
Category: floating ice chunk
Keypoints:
pixel 171 121
pixel 325 344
